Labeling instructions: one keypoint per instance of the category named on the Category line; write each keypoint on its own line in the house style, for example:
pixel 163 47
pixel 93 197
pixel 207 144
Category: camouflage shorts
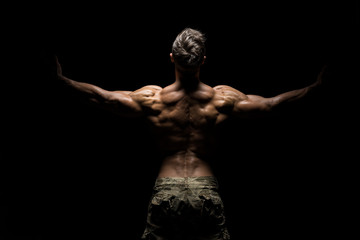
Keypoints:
pixel 186 208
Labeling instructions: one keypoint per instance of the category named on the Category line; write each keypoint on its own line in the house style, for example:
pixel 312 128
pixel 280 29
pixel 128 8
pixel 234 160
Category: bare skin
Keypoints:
pixel 184 114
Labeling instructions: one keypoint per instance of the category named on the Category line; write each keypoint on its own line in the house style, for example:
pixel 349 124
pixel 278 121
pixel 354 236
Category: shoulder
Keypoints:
pixel 146 95
pixel 229 94
pixel 149 90
pixel 146 91
pixel 227 97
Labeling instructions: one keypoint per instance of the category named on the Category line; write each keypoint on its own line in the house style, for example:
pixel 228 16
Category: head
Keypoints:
pixel 188 50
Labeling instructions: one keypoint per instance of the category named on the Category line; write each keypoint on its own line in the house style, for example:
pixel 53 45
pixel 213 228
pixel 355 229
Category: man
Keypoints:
pixel 185 203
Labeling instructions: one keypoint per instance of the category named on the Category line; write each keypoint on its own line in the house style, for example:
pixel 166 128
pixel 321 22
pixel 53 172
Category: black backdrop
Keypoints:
pixel 77 172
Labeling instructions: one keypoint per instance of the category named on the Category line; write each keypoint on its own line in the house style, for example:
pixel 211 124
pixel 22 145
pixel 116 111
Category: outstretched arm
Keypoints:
pixel 258 103
pixel 119 102
pixel 243 105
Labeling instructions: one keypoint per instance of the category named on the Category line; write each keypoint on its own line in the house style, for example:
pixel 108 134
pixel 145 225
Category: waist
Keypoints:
pixel 185 164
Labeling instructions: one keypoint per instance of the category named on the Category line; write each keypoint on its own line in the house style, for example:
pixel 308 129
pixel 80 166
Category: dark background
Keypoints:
pixel 72 171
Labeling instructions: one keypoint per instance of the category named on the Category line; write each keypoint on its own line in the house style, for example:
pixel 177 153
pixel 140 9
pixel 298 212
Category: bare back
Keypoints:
pixel 185 118
pixel 184 123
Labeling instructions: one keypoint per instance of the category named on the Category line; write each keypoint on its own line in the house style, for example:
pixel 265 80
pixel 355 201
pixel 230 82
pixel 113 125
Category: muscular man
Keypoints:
pixel 185 203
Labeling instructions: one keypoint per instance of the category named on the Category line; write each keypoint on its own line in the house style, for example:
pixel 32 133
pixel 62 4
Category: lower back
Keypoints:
pixel 184 164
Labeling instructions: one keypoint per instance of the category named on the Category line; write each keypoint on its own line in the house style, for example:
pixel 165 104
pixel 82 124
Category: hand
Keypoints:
pixel 58 67
pixel 321 75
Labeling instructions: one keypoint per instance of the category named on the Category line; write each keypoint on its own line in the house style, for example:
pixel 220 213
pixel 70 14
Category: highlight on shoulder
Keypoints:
pixel 147 95
pixel 229 92
pixel 147 91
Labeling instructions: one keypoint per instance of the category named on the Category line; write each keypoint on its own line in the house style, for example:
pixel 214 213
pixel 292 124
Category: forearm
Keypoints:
pixel 294 94
pixel 118 102
pixel 300 93
pixel 85 90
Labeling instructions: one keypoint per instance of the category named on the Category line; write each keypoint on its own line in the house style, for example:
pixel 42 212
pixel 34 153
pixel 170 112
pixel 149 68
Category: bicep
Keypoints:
pixel 121 103
pixel 254 104
pixel 233 102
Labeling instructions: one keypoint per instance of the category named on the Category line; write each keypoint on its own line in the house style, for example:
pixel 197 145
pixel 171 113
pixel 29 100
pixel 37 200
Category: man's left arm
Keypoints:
pixel 254 103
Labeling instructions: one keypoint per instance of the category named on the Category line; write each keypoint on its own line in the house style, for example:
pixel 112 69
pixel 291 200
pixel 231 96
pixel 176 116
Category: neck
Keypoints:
pixel 187 80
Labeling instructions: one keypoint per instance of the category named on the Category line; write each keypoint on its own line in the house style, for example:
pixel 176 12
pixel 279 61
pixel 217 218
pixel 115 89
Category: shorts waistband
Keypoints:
pixel 202 181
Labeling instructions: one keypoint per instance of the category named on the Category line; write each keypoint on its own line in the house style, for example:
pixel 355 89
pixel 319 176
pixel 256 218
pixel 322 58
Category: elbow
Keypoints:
pixel 271 105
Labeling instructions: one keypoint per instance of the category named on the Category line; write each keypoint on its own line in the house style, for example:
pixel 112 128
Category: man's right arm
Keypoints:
pixel 119 102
